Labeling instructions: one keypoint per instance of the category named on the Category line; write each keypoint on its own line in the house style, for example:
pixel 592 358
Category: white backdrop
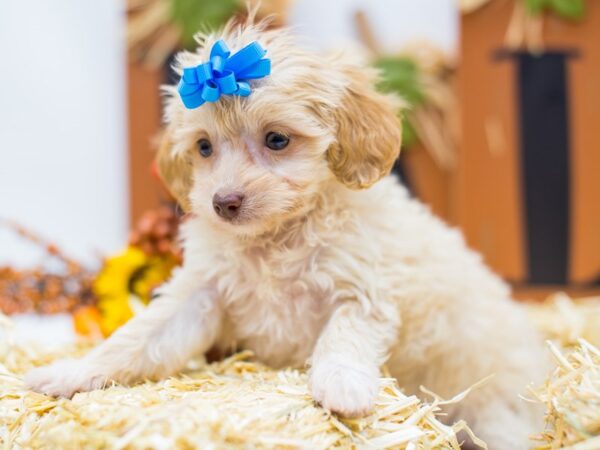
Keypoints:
pixel 329 23
pixel 63 152
pixel 62 124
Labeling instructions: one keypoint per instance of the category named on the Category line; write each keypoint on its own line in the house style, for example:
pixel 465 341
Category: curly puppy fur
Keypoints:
pixel 323 266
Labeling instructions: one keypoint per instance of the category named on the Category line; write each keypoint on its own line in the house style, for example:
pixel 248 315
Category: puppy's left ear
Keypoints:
pixel 369 133
pixel 175 171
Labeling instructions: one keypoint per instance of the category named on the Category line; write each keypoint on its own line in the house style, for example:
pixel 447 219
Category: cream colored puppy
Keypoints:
pixel 294 251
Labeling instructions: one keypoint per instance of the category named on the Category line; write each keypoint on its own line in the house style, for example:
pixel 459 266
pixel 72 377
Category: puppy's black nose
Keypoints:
pixel 228 206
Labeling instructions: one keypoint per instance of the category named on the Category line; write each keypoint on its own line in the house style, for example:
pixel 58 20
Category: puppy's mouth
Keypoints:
pixel 248 214
pixel 236 209
pixel 230 206
pixel 233 208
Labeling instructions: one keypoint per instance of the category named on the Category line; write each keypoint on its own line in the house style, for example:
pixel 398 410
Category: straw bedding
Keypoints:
pixel 571 392
pixel 238 403
pixel 572 398
pixel 231 404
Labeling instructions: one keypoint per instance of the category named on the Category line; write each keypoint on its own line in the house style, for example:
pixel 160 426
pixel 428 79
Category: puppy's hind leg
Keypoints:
pixel 503 423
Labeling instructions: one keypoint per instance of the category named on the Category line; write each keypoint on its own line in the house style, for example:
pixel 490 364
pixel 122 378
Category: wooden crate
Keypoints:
pixel 504 153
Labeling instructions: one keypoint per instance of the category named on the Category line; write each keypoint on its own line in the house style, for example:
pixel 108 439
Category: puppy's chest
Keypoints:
pixel 277 304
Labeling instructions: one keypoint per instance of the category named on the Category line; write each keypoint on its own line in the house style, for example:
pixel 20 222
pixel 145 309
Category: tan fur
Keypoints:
pixel 175 171
pixel 369 133
pixel 311 272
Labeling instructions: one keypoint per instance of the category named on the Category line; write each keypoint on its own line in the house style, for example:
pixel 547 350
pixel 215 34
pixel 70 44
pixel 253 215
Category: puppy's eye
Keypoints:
pixel 276 141
pixel 204 147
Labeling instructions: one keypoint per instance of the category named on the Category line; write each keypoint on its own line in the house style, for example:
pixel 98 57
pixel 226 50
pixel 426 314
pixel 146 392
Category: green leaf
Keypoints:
pixel 569 9
pixel 195 15
pixel 536 6
pixel 401 76
pixel 409 135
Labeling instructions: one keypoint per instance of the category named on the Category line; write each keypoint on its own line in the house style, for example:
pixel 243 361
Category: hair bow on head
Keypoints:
pixel 223 74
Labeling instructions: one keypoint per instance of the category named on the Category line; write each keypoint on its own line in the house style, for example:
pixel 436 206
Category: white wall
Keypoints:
pixel 329 23
pixel 62 125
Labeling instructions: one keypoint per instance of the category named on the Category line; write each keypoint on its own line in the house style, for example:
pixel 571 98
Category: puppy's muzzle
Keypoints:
pixel 228 206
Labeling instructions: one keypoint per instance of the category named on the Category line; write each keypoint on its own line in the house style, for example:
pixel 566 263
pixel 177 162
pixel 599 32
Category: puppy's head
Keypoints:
pixel 249 163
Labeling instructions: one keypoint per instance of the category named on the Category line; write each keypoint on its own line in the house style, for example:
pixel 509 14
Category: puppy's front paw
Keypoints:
pixel 345 388
pixel 64 378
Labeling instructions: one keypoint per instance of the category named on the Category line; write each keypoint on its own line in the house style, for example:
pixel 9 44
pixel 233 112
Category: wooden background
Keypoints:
pixel 483 194
pixel 488 185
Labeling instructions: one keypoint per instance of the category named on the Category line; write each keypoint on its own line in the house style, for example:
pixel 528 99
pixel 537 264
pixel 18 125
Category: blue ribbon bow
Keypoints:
pixel 223 74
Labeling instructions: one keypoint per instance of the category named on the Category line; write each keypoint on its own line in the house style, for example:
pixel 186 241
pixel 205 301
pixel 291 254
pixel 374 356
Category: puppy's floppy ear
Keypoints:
pixel 369 132
pixel 175 171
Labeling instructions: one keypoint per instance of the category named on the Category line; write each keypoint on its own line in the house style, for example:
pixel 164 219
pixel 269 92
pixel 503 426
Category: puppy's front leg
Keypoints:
pixel 344 376
pixel 155 343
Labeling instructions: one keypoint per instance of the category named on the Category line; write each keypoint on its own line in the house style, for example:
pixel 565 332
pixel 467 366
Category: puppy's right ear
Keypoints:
pixel 175 171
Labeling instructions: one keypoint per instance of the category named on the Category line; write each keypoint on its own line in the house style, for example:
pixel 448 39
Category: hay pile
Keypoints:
pixel 565 321
pixel 231 404
pixel 572 398
pixel 238 403
pixel 571 392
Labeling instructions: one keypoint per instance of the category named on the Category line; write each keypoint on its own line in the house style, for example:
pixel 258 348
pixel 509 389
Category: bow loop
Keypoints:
pixel 220 48
pixel 223 74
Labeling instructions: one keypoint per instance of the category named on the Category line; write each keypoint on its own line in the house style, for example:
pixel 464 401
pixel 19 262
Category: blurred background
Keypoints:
pixel 500 138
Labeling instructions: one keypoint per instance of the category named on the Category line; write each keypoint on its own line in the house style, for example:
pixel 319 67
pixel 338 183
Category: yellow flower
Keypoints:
pixel 125 284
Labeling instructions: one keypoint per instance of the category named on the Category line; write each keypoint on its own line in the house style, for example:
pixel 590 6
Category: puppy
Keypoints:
pixel 299 248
